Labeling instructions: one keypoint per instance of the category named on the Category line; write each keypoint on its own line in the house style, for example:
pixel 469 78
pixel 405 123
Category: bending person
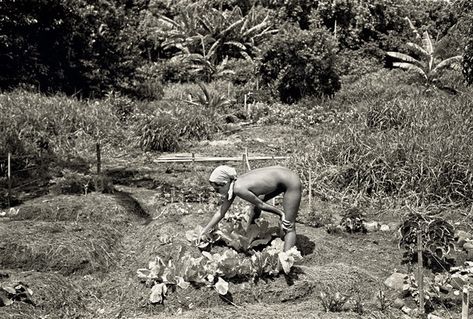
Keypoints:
pixel 257 187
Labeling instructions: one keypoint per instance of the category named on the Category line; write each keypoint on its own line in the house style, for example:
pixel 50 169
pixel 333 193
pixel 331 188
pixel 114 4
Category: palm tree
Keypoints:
pixel 429 66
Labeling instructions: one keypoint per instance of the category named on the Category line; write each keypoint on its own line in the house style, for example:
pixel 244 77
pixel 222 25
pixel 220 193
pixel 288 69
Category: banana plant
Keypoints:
pixel 429 66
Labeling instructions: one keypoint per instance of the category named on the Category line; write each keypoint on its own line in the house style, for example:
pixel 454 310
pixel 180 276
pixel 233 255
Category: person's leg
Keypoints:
pixel 255 213
pixel 291 202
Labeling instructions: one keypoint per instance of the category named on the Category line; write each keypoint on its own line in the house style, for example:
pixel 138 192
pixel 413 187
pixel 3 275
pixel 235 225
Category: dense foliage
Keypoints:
pixel 71 46
pixel 91 47
pixel 301 63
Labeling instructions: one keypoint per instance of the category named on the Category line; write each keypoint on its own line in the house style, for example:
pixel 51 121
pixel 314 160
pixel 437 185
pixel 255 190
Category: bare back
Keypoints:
pixel 266 180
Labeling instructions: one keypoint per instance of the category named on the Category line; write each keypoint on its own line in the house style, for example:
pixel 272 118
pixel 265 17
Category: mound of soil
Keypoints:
pixel 58 246
pixel 52 294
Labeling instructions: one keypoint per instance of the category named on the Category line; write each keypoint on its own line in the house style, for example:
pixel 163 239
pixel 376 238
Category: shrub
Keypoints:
pixel 77 183
pixel 147 82
pixel 300 63
pixel 437 236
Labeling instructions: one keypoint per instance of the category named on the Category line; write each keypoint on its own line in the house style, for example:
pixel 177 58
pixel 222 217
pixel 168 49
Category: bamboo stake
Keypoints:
pixel 9 180
pixel 420 273
pixel 465 302
pixel 310 190
pixel 247 161
pixel 245 106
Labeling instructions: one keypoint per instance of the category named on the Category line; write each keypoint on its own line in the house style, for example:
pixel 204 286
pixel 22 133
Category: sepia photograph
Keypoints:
pixel 252 159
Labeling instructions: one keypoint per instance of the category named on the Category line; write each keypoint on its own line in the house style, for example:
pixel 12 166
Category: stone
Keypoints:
pixel 406 310
pixel 396 281
pixel 398 303
pixel 371 226
pixel 432 316
pixel 384 228
pixel 468 246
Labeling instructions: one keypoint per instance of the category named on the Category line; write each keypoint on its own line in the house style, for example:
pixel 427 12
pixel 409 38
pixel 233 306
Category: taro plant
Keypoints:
pixel 353 221
pixel 213 270
pixel 437 236
pixel 426 62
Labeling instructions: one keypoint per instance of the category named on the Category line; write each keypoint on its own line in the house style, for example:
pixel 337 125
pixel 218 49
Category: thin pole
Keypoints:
pixel 465 302
pixel 245 107
pixel 247 161
pixel 9 180
pixel 99 164
pixel 420 273
pixel 310 190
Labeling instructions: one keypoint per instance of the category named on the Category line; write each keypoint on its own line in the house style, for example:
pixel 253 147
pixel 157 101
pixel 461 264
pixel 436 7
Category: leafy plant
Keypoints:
pixel 353 221
pixel 384 302
pixel 182 270
pixel 429 65
pixel 208 99
pixel 437 236
pixel 243 239
pixel 333 301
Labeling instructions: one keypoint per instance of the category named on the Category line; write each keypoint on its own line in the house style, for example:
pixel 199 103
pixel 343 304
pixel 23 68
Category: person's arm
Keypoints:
pixel 218 215
pixel 250 197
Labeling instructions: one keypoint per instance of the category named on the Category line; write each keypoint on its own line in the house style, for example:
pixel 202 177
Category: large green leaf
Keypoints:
pixel 450 62
pixel 427 43
pixel 411 67
pixel 404 57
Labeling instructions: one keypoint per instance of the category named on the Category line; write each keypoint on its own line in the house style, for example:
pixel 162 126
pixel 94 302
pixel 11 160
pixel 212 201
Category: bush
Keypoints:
pixel 300 63
pixel 77 183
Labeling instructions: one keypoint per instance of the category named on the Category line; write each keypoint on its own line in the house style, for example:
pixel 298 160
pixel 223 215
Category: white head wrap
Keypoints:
pixel 222 175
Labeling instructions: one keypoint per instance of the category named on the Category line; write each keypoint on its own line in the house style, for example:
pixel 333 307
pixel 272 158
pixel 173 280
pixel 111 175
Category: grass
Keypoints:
pixel 59 246
pixel 399 144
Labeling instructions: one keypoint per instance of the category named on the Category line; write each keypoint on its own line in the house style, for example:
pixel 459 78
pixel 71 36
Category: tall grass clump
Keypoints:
pixel 58 124
pixel 409 146
pixel 172 124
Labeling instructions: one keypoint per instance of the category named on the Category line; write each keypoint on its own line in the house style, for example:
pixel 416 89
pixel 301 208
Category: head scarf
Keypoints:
pixel 222 175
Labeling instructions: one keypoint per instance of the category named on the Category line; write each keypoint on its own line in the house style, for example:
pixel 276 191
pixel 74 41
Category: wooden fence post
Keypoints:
pixel 9 180
pixel 310 190
pixel 420 273
pixel 245 107
pixel 247 161
pixel 465 302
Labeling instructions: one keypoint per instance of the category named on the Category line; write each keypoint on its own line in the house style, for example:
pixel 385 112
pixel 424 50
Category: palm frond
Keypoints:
pixel 413 28
pixel 404 57
pixel 418 48
pixel 427 43
pixel 410 67
pixel 449 62
pixel 169 21
pixel 255 28
pixel 239 45
pixel 232 26
pixel 213 49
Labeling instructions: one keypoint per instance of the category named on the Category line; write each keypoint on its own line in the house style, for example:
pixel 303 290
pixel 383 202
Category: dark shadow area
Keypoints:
pixel 126 200
pixel 305 245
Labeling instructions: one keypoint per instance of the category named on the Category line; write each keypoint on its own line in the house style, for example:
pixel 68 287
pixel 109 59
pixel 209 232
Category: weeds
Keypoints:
pixel 333 301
